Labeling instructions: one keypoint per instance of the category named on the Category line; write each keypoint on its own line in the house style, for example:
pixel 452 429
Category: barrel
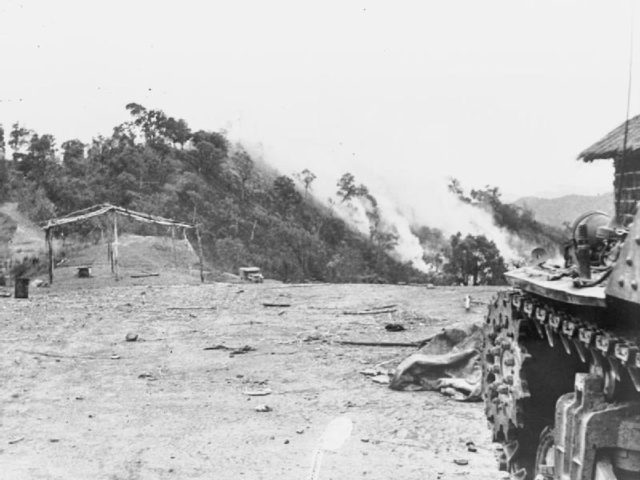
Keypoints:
pixel 22 288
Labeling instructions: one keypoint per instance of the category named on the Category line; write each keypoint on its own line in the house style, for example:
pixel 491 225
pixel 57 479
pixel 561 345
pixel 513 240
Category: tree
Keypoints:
pixel 18 139
pixel 208 152
pixel 347 188
pixel 177 131
pixel 475 260
pixel 73 156
pixel 306 177
pixel 285 194
pixel 72 150
pixel 39 157
pixel 242 166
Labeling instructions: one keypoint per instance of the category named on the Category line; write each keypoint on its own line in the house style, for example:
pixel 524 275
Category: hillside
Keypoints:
pixel 557 211
pixel 248 214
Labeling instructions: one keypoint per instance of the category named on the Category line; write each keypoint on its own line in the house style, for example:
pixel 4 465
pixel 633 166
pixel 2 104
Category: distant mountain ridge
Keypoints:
pixel 557 211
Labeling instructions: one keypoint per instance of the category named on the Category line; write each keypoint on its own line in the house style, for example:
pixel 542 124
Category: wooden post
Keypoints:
pixel 187 245
pixel 173 246
pixel 48 240
pixel 200 254
pixel 115 244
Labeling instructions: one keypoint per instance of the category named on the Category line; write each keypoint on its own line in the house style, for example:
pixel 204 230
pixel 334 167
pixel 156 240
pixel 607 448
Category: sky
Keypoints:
pixel 403 94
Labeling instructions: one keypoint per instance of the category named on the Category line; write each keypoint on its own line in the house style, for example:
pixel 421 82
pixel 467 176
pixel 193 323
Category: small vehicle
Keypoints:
pixel 251 274
pixel 561 357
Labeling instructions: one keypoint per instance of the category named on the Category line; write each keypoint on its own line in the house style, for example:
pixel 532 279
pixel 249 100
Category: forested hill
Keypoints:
pixel 249 215
pixel 564 210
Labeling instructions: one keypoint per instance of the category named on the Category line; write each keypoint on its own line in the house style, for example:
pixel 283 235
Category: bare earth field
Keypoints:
pixel 79 402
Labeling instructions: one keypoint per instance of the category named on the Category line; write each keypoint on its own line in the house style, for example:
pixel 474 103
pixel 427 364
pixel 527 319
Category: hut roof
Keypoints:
pixel 612 144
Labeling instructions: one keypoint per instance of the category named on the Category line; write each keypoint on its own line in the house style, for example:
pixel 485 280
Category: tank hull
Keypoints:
pixel 561 365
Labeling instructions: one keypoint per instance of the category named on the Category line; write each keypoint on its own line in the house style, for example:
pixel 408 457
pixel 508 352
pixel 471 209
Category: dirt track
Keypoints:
pixel 78 402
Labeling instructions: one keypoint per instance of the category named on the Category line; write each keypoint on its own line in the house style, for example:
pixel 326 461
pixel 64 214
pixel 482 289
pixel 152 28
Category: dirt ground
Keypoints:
pixel 79 402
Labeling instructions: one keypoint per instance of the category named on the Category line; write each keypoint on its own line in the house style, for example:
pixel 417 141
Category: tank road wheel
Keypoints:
pixel 545 456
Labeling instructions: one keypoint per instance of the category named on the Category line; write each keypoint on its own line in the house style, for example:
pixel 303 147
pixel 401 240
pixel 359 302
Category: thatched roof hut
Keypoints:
pixel 622 145
pixel 612 144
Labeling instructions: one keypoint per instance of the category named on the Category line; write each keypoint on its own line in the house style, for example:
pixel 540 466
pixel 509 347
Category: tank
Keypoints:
pixel 561 355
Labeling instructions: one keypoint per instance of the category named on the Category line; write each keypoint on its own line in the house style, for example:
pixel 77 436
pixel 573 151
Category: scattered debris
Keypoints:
pixel 131 337
pixel 382 379
pixel 372 372
pixel 16 440
pixel 263 408
pixel 258 393
pixel 218 347
pixel 312 338
pixel 142 275
pixel 233 350
pixel 372 311
pixel 453 393
pixel 461 461
pixel 56 355
pixel 394 327
pixel 403 443
pixel 275 304
pixel 382 344
pixel 192 308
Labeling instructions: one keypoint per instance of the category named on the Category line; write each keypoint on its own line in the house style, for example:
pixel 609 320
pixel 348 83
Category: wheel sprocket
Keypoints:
pixel 505 386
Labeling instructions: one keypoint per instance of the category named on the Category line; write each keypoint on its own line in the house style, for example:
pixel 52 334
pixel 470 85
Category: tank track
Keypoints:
pixel 532 350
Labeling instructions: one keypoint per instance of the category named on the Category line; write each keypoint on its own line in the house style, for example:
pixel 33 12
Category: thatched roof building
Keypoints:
pixel 612 144
pixel 622 145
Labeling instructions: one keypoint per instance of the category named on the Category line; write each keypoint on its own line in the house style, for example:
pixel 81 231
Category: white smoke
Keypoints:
pixel 419 200
pixel 436 207
pixel 407 249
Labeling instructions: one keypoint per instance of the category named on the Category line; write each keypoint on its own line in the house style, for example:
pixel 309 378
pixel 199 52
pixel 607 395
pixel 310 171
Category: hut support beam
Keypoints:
pixel 200 253
pixel 47 236
pixel 173 246
pixel 115 245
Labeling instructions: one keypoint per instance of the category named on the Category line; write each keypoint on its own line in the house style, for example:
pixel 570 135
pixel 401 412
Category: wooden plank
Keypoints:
pixel 85 216
pixel 91 212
